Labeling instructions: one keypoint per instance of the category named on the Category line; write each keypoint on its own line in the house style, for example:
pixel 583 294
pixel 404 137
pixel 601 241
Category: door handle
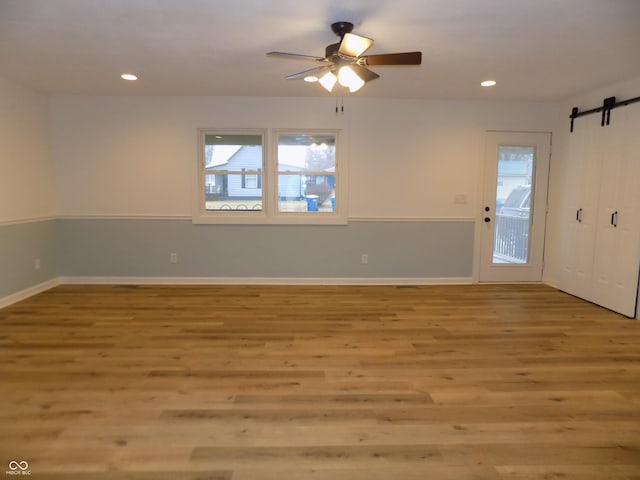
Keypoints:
pixel 614 219
pixel 579 215
pixel 487 219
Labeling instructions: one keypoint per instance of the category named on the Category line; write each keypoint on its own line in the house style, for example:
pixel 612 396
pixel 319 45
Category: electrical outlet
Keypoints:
pixel 364 259
pixel 173 258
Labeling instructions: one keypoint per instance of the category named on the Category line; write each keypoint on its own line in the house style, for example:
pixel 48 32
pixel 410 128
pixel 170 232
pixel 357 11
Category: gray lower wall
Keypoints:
pixel 20 245
pixel 141 248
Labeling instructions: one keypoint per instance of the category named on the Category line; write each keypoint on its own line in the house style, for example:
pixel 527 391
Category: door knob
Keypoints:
pixel 487 219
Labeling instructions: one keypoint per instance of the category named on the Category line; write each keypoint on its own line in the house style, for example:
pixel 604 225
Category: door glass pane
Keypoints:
pixel 513 201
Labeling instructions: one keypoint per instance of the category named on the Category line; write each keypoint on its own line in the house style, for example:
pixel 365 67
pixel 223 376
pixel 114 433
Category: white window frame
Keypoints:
pixel 269 213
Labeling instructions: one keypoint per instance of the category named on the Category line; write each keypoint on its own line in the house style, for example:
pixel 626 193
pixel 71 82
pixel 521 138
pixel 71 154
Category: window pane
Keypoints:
pixel 233 172
pixel 232 152
pixel 307 153
pixel 306 193
pixel 233 192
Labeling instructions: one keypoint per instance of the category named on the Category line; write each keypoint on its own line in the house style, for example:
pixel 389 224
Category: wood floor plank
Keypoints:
pixel 373 472
pixel 148 475
pixel 484 382
pixel 591 472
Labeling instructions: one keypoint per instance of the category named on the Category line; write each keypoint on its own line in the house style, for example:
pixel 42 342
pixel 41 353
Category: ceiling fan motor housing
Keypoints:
pixel 331 51
pixel 340 28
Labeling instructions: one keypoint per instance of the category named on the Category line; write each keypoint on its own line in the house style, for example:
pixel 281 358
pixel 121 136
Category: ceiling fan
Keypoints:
pixel 344 62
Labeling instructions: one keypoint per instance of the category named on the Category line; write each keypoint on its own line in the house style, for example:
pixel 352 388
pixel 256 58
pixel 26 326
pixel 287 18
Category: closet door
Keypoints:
pixel 581 194
pixel 617 254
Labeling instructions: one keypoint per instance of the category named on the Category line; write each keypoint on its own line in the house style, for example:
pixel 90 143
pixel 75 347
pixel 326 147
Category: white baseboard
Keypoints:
pixel 552 283
pixel 267 280
pixel 28 292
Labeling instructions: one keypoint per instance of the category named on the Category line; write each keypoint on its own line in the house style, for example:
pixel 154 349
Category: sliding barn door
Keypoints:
pixel 581 192
pixel 601 246
pixel 617 254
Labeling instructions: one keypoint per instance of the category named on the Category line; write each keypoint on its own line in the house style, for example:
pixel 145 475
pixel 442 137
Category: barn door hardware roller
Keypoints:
pixel 608 104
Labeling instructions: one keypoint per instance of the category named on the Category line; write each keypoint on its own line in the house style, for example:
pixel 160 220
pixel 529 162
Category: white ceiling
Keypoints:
pixel 537 50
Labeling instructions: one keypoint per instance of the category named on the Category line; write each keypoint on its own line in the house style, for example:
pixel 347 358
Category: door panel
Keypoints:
pixel 582 192
pixel 617 252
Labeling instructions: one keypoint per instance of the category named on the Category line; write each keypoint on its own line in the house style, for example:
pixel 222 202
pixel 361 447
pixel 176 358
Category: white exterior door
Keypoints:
pixel 513 217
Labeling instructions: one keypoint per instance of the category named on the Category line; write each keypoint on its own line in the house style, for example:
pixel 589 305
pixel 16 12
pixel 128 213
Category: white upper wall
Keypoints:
pixel 26 171
pixel 136 156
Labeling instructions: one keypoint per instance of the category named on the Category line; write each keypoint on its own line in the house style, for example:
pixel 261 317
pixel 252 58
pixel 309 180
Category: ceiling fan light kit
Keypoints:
pixel 344 62
pixel 350 79
pixel 328 80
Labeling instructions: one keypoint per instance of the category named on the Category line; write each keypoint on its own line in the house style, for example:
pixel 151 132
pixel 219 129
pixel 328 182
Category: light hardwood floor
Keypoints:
pixel 326 383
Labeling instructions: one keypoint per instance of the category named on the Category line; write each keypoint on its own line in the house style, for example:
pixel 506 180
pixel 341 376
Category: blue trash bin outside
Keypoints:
pixel 333 204
pixel 312 203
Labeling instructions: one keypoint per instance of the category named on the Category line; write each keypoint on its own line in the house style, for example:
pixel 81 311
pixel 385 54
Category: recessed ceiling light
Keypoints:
pixel 128 76
pixel 310 78
pixel 488 83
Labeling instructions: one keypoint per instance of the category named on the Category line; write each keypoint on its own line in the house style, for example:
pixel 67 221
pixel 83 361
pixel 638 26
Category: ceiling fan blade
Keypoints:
pixel 354 45
pixel 296 56
pixel 364 73
pixel 407 58
pixel 316 72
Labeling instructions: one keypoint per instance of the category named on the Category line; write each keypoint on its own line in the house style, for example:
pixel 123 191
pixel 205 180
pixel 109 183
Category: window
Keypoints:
pixel 264 176
pixel 232 167
pixel 306 173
